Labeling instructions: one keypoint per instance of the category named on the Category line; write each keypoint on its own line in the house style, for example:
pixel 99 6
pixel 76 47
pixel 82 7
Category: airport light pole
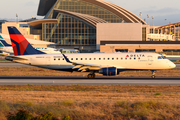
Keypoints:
pixel 153 20
pixel 17 18
pixel 140 14
pixel 165 21
pixel 148 18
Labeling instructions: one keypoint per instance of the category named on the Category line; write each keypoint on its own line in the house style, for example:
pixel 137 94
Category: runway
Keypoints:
pixel 162 81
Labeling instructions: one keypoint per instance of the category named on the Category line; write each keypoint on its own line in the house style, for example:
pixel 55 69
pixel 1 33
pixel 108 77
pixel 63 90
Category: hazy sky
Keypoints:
pixel 160 9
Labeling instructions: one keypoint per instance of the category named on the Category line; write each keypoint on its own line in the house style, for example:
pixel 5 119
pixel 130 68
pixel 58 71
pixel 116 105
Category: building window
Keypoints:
pixel 145 50
pixel 121 50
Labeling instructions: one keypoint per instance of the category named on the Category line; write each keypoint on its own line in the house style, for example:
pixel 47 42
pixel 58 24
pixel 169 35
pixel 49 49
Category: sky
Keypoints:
pixel 160 9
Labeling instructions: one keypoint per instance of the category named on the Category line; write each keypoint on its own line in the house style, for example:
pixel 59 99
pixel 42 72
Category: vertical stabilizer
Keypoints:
pixel 20 45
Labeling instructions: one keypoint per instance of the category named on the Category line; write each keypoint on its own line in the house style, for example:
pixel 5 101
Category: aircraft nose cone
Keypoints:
pixel 172 65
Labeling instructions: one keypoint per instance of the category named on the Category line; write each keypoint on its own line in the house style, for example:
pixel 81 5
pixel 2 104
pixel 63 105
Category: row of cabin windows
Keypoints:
pixel 100 58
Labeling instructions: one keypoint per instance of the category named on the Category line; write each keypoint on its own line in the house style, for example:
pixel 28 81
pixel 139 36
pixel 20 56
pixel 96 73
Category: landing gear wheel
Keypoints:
pixel 91 76
pixel 153 76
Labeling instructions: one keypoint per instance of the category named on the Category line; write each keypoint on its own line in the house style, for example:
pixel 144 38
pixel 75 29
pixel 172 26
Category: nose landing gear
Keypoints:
pixel 153 74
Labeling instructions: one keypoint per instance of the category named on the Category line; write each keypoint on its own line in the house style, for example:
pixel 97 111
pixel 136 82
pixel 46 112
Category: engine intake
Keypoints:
pixel 109 71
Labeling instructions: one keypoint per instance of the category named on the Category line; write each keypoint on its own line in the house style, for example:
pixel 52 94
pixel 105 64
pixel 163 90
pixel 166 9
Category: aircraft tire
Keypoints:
pixel 91 76
pixel 153 76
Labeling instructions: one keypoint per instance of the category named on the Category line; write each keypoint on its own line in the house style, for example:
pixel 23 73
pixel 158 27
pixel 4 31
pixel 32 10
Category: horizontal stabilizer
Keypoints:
pixel 11 58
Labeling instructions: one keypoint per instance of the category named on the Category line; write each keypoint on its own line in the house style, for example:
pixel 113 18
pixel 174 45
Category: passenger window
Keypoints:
pixel 81 58
pixel 94 58
pixel 112 58
pixel 134 58
pixel 116 58
pixel 103 58
pixel 85 58
pixel 121 58
pixel 63 58
pixel 99 58
pixel 126 58
pixel 76 58
pixel 108 58
pixel 89 58
pixel 130 58
pixel 59 59
pixel 71 58
pixel 139 58
pixel 54 59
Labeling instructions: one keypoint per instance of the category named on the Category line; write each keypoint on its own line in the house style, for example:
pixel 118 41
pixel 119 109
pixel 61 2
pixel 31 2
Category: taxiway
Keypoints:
pixel 84 81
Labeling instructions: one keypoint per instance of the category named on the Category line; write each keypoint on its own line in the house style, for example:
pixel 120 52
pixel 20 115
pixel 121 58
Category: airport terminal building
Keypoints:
pixel 75 23
pixel 92 25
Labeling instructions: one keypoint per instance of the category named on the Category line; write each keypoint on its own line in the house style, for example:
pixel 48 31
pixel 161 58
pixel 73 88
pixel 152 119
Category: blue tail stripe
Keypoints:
pixel 12 30
pixel 30 51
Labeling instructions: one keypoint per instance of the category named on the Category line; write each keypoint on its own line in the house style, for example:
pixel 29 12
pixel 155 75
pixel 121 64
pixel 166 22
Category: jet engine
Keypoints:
pixel 109 71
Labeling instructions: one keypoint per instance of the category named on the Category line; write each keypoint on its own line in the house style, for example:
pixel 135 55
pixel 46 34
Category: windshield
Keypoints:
pixel 161 57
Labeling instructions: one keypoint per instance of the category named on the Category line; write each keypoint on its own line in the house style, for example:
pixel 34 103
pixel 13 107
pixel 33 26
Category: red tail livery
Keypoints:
pixel 20 45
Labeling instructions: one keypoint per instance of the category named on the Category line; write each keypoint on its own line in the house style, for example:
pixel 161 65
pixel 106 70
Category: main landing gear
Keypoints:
pixel 91 75
pixel 153 74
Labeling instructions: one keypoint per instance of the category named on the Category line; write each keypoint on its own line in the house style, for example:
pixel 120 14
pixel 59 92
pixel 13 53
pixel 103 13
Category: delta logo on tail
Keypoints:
pixel 20 45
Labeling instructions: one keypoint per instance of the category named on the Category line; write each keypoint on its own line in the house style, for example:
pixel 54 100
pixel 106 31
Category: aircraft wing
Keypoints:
pixel 85 66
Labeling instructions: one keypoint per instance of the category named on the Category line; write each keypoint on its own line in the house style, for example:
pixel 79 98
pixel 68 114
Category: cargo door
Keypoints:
pixel 48 60
pixel 150 60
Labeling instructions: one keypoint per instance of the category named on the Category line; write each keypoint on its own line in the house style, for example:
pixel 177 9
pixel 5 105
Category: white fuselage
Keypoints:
pixel 127 61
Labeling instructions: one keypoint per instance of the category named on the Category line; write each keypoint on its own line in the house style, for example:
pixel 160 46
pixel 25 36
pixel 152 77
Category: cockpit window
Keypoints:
pixel 163 57
pixel 159 57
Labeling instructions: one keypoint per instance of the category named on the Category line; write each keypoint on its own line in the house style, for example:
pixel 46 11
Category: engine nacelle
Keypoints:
pixel 109 71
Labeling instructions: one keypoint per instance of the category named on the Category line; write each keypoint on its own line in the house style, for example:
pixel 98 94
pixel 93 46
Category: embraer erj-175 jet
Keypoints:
pixel 7 49
pixel 108 64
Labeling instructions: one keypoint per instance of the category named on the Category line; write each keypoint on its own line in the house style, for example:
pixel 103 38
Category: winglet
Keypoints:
pixel 67 60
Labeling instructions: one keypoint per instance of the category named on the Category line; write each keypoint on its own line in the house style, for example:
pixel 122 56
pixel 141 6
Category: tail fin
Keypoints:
pixel 20 45
pixel 3 42
pixel 1 38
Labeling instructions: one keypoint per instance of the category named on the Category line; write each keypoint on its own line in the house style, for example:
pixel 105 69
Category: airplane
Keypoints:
pixel 108 64
pixel 8 50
